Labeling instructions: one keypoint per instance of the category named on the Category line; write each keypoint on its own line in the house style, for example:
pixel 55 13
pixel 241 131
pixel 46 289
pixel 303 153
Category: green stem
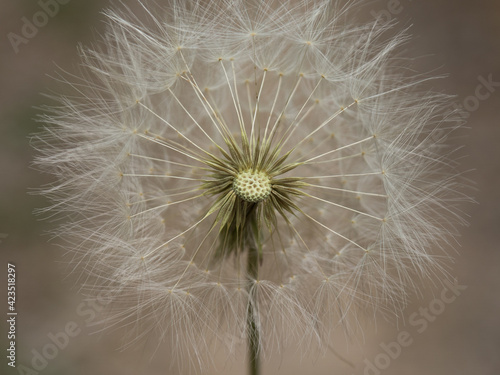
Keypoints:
pixel 253 333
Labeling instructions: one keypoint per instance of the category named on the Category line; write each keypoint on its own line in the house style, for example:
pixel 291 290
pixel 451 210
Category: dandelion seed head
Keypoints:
pixel 208 128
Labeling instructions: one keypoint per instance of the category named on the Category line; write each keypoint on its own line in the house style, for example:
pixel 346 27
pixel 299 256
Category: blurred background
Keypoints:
pixel 460 337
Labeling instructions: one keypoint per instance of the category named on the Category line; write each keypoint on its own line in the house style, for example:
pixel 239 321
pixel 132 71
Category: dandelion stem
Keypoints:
pixel 253 333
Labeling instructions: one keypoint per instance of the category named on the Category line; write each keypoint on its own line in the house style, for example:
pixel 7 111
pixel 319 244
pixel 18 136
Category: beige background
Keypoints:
pixel 458 38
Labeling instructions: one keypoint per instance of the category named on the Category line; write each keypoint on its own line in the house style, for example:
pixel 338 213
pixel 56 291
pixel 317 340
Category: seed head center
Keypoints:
pixel 252 186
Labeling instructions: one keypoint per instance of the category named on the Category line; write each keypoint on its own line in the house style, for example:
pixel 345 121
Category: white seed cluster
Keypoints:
pixel 252 186
pixel 193 103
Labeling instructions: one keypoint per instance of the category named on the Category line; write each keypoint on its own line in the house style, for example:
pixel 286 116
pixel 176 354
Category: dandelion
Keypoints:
pixel 258 169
